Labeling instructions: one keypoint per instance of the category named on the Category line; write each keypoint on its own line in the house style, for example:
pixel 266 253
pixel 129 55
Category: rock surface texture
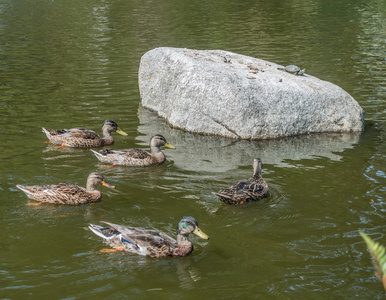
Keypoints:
pixel 236 96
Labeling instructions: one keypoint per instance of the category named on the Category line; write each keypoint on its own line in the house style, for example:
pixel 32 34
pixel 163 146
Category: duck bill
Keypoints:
pixel 121 132
pixel 200 233
pixel 104 183
pixel 167 145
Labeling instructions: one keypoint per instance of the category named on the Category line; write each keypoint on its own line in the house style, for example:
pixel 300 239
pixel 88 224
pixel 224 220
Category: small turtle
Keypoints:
pixel 293 70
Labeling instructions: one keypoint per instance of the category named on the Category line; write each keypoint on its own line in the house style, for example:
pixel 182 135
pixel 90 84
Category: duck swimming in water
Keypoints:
pixel 152 243
pixel 67 193
pixel 80 137
pixel 136 157
pixel 246 190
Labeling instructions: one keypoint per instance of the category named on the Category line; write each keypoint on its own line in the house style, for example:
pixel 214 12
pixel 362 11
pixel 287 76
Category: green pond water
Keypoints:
pixel 73 63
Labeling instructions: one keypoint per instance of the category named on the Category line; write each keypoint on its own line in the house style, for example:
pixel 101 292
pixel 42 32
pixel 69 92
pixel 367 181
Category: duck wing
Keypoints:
pixel 252 188
pixel 122 157
pixel 81 133
pixel 61 193
pixel 136 153
pixel 143 237
pixel 234 189
pixel 128 153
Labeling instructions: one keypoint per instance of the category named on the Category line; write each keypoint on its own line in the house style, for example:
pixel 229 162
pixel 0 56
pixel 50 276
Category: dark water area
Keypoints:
pixel 73 63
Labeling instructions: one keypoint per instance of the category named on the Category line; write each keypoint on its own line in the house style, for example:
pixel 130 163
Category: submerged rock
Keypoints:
pixel 232 95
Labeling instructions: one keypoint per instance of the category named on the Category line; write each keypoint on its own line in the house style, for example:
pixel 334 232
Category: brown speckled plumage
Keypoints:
pixel 136 157
pixel 80 137
pixel 152 243
pixel 67 193
pixel 246 190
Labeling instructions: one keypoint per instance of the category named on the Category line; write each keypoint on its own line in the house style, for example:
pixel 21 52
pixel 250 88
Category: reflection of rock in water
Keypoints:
pixel 215 154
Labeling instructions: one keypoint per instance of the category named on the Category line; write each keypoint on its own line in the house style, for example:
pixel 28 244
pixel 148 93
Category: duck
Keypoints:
pixel 80 137
pixel 67 193
pixel 147 242
pixel 136 157
pixel 244 191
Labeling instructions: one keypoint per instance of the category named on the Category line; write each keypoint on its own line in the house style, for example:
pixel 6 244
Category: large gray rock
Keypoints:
pixel 227 94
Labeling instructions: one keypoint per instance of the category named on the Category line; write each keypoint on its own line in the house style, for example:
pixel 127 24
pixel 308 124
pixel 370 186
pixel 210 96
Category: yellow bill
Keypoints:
pixel 121 132
pixel 167 145
pixel 106 184
pixel 200 233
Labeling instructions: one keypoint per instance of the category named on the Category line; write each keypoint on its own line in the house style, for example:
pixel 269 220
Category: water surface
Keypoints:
pixel 74 63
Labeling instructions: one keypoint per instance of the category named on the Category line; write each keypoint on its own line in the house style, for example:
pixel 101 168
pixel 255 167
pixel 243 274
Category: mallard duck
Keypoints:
pixel 246 190
pixel 79 137
pixel 146 242
pixel 136 157
pixel 67 193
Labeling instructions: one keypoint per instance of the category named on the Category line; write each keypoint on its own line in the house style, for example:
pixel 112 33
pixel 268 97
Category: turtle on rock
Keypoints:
pixel 293 70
